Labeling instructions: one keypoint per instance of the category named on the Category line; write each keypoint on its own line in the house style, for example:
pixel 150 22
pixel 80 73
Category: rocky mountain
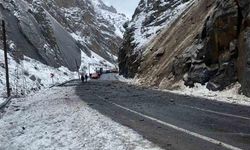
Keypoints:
pixel 208 43
pixel 150 17
pixel 55 32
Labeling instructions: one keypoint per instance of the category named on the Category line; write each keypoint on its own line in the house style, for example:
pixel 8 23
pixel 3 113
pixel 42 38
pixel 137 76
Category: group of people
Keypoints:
pixel 84 77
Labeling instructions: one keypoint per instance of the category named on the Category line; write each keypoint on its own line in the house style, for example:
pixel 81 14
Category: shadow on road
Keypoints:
pixel 171 108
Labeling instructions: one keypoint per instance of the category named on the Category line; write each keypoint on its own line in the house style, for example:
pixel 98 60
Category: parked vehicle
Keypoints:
pixel 95 76
pixel 115 70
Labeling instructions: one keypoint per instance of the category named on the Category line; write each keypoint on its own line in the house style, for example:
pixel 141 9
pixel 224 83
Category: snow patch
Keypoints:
pixel 114 18
pixel 67 123
pixel 144 34
pixel 30 75
pixel 2 100
pixel 229 95
pixel 133 81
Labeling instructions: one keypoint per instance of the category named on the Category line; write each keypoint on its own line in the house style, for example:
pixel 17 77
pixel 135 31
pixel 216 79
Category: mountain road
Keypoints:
pixel 174 122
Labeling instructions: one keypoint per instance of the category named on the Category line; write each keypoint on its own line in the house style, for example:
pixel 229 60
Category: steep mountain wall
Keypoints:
pixel 207 44
pixel 243 45
pixel 94 25
pixel 32 32
pixel 55 32
pixel 170 53
pixel 150 17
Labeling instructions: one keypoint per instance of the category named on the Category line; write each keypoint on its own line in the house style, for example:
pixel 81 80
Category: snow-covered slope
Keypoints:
pixel 95 26
pixel 44 35
pixel 36 34
pixel 30 75
pixel 55 32
pixel 149 19
pixel 111 15
pixel 152 16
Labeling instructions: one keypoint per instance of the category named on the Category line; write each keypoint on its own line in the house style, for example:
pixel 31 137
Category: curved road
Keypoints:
pixel 172 121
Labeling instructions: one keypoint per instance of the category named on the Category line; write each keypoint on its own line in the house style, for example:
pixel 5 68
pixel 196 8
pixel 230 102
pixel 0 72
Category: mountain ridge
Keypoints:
pixel 82 28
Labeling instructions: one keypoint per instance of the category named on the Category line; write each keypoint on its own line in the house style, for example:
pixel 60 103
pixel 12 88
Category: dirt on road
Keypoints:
pixel 172 121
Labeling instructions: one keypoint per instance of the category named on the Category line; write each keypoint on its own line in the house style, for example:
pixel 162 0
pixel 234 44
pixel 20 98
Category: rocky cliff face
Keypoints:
pixel 150 17
pixel 223 54
pixel 56 31
pixel 243 45
pixel 207 44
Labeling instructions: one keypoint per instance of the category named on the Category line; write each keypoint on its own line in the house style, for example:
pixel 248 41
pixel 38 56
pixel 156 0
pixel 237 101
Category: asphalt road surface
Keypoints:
pixel 171 121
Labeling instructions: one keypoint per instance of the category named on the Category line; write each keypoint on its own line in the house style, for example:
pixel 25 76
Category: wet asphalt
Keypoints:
pixel 226 123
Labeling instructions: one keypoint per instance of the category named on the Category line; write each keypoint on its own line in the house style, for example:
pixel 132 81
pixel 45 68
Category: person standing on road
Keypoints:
pixel 83 73
pixel 86 77
pixel 82 77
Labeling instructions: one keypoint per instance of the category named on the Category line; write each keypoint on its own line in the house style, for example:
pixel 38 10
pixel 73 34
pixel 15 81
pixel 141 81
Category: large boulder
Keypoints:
pixel 226 75
pixel 244 62
pixel 221 30
pixel 244 47
pixel 226 45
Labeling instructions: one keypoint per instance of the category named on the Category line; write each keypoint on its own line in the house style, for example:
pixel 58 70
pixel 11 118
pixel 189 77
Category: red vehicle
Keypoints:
pixel 95 76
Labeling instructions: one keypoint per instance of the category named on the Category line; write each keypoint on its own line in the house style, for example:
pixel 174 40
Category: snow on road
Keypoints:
pixel 57 119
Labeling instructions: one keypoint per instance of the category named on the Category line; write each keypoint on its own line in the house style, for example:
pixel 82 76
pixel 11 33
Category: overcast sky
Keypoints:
pixel 125 6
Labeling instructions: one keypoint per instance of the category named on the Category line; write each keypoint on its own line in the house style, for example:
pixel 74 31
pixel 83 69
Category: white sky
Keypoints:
pixel 124 6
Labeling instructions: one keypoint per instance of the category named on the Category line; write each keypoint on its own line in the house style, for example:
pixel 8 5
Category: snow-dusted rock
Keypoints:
pixel 150 17
pixel 208 44
pixel 55 32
